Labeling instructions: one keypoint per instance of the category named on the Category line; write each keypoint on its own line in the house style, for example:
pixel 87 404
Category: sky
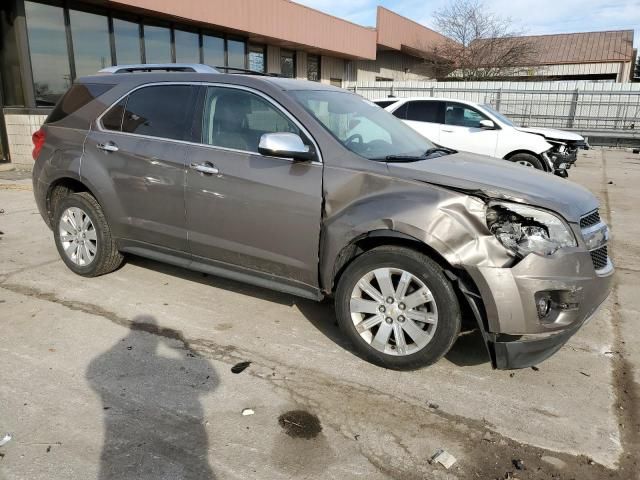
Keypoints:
pixel 532 17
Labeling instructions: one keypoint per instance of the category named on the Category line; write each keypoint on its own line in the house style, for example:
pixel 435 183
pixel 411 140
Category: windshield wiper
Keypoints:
pixel 446 151
pixel 417 158
pixel 404 158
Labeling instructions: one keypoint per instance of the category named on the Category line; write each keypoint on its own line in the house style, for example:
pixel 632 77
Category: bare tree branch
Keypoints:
pixel 481 45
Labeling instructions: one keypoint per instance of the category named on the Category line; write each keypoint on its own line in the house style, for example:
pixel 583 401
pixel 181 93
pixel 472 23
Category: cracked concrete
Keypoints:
pixel 73 383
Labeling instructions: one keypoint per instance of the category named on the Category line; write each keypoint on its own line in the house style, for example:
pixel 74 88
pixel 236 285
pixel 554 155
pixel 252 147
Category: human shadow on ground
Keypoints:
pixel 150 383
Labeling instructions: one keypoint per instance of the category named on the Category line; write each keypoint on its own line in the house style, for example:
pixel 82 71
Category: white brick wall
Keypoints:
pixel 19 130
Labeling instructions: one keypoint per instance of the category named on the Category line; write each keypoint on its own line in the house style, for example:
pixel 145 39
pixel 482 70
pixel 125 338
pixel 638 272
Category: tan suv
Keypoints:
pixel 314 191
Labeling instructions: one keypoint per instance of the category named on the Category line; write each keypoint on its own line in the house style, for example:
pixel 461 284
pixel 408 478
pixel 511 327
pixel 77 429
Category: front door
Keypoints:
pixel 462 130
pixel 257 213
pixel 133 152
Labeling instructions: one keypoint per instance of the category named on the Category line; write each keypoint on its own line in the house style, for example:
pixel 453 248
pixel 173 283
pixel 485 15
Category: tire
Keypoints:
pixel 527 160
pixel 105 257
pixel 425 273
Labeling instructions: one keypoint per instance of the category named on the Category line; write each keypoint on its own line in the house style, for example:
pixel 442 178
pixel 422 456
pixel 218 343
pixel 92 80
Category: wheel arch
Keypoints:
pixel 59 189
pixel 528 152
pixel 375 238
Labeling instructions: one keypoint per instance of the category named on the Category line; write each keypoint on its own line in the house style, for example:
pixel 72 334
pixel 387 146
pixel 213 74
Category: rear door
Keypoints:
pixel 462 131
pixel 137 157
pixel 424 116
pixel 257 213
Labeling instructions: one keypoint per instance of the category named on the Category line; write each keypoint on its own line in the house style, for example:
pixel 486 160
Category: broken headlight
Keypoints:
pixel 525 230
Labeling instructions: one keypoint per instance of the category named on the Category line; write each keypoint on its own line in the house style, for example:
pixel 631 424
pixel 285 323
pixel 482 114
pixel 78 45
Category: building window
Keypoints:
pixel 127 39
pixel 213 49
pixel 90 34
pixel 157 44
pixel 187 47
pixel 313 68
pixel 48 50
pixel 256 58
pixel 287 64
pixel 12 92
pixel 236 54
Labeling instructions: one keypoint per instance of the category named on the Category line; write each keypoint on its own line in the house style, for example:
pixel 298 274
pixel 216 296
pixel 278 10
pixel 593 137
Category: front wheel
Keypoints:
pixel 527 160
pixel 397 308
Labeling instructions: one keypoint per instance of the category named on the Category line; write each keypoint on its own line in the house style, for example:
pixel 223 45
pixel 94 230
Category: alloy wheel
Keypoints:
pixel 78 236
pixel 393 311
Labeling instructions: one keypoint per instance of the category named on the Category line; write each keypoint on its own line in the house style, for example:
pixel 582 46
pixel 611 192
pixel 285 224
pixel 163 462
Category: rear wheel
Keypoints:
pixel 397 308
pixel 83 237
pixel 527 160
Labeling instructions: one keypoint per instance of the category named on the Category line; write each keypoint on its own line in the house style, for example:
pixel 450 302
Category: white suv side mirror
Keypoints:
pixel 487 124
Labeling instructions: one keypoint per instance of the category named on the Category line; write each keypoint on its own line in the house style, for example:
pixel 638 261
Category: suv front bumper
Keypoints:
pixel 517 335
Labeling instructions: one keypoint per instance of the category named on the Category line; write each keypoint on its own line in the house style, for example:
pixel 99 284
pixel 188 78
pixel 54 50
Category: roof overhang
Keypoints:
pixel 278 22
pixel 396 32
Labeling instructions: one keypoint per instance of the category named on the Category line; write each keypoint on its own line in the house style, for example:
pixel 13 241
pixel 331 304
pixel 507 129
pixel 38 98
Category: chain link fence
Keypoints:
pixel 586 107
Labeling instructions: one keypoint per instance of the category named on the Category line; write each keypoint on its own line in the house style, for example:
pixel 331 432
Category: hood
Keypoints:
pixel 501 180
pixel 553 134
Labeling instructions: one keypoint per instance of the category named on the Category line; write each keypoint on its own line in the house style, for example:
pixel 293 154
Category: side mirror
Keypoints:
pixel 487 125
pixel 284 145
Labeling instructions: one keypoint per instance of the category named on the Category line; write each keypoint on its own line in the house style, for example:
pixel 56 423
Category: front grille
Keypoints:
pixel 590 219
pixel 599 257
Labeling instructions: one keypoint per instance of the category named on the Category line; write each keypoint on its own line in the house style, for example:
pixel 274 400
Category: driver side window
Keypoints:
pixel 462 116
pixel 237 119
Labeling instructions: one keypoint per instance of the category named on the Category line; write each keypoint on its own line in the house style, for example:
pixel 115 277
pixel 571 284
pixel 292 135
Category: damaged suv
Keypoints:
pixel 478 128
pixel 310 190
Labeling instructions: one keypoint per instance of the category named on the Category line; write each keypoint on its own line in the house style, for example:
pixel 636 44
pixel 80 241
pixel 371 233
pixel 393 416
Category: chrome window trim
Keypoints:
pixel 269 99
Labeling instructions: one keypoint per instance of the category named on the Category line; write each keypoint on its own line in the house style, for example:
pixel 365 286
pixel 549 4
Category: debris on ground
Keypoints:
pixel 48 448
pixel 434 406
pixel 444 458
pixel 240 367
pixel 585 374
pixel 6 439
pixel 487 437
pixel 535 369
pixel 247 411
pixel 518 464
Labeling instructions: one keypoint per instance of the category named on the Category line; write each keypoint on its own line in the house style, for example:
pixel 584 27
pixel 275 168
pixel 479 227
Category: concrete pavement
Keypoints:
pixel 128 375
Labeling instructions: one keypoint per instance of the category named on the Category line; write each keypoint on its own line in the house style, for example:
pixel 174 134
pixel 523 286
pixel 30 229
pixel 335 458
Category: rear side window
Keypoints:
pixel 424 111
pixel 401 111
pixel 77 97
pixel 113 118
pixel 157 111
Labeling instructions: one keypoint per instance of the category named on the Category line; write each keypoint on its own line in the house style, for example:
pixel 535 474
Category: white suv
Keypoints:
pixel 476 128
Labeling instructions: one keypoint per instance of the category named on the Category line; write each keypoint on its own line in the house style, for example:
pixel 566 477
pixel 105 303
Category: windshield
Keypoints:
pixel 361 126
pixel 500 116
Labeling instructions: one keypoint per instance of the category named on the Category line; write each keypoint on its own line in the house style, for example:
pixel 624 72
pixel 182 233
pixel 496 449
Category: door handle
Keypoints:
pixel 448 131
pixel 206 168
pixel 108 147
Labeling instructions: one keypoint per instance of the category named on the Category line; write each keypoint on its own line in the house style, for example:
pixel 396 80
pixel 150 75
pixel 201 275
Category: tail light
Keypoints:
pixel 37 138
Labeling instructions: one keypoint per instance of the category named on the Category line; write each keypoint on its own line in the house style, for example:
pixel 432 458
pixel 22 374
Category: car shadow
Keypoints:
pixel 150 383
pixel 468 350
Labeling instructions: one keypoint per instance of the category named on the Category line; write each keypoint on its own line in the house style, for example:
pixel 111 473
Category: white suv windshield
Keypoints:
pixel 361 126
pixel 500 116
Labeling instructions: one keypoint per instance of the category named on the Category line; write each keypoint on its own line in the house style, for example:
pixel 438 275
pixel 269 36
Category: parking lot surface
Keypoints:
pixel 129 375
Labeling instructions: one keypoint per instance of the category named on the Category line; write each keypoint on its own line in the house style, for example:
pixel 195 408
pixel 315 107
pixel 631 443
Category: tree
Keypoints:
pixel 480 45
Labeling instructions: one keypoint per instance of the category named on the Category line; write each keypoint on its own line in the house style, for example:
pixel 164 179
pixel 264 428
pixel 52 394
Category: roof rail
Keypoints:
pixel 245 71
pixel 162 67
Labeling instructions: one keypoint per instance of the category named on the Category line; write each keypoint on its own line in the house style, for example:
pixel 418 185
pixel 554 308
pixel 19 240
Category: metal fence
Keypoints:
pixel 587 107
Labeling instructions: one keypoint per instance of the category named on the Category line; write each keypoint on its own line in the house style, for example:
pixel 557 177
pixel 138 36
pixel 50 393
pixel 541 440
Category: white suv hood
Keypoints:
pixel 552 133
